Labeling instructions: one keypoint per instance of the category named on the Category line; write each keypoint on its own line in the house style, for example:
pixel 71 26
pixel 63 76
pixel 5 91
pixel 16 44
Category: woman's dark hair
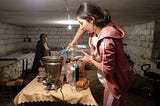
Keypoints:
pixel 41 36
pixel 88 10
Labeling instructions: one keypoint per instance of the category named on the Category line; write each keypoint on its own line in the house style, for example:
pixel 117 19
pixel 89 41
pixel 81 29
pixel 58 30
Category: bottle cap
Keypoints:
pixel 76 65
pixel 72 68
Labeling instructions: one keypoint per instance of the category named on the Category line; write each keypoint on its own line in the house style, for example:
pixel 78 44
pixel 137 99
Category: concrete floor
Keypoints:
pixel 136 96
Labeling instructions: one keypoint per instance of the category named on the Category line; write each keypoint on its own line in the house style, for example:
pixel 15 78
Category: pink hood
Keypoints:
pixel 113 31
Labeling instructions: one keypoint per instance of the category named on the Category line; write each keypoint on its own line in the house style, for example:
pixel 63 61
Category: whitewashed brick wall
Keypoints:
pixel 11 38
pixel 140 41
pixel 57 36
pixel 156 46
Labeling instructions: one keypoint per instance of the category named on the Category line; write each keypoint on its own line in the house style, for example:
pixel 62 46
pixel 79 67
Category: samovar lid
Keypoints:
pixel 52 59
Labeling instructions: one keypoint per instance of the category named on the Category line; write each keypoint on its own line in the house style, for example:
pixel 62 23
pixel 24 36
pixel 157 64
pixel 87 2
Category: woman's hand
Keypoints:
pixel 89 59
pixel 77 36
pixel 71 44
pixel 86 58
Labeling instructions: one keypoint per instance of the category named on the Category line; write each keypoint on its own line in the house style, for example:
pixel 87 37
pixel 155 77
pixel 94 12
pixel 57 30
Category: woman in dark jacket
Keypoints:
pixel 42 50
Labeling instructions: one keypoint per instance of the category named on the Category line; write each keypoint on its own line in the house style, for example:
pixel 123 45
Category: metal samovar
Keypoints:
pixel 53 66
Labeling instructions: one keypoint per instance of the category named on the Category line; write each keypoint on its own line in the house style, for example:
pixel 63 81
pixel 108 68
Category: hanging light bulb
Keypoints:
pixel 69 27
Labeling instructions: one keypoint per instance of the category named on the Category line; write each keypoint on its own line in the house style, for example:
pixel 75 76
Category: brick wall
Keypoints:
pixel 140 40
pixel 11 38
pixel 156 45
pixel 57 36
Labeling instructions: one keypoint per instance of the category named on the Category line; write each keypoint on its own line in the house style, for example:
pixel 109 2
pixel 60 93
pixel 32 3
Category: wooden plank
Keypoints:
pixel 4 63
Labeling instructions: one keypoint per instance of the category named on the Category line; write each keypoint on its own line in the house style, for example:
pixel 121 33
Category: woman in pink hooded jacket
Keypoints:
pixel 105 41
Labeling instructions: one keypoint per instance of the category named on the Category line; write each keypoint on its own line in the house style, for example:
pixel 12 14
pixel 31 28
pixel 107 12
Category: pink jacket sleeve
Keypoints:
pixel 107 54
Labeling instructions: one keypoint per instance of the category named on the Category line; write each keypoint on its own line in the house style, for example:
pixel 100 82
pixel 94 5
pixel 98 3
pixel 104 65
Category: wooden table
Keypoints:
pixel 36 92
pixel 4 63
